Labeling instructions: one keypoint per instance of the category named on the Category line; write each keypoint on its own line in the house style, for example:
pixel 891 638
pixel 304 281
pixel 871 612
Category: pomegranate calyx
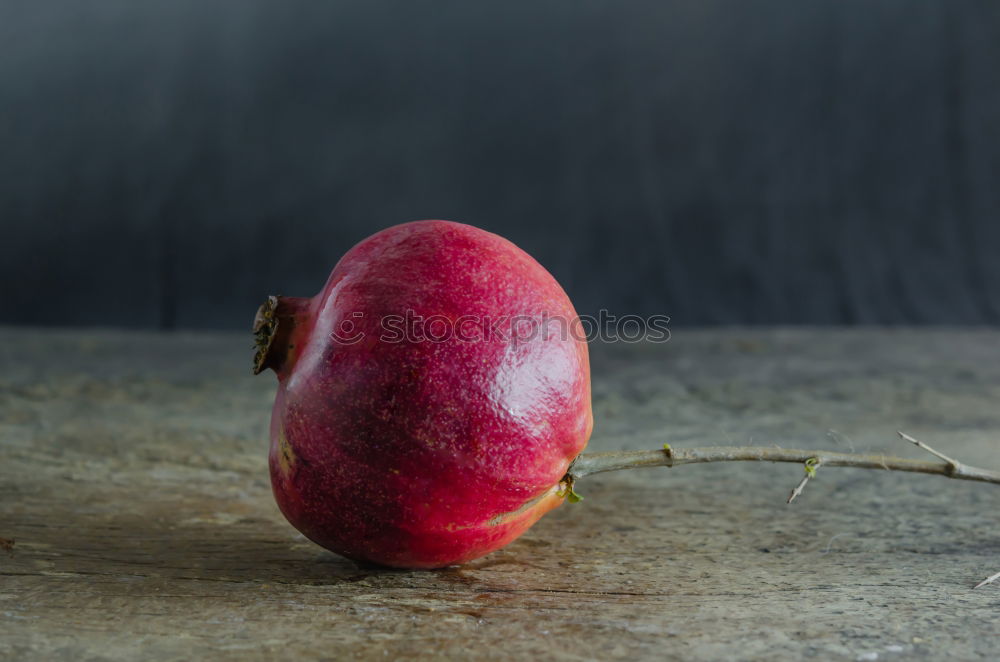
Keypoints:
pixel 273 325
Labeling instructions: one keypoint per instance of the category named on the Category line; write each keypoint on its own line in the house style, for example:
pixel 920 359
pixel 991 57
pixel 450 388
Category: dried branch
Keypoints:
pixel 988 580
pixel 592 463
pixel 955 464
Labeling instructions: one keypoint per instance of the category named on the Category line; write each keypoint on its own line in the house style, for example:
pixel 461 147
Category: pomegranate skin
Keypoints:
pixel 392 447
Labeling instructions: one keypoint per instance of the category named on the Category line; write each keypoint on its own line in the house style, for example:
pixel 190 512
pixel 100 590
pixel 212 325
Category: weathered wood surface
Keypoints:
pixel 133 483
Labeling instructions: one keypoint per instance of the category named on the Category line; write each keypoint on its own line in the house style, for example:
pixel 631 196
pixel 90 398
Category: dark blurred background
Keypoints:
pixel 168 164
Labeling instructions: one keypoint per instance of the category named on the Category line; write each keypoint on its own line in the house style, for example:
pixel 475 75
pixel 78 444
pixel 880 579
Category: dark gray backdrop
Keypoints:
pixel 167 164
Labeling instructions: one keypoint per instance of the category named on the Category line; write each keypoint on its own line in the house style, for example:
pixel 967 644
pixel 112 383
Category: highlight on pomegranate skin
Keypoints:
pixel 430 398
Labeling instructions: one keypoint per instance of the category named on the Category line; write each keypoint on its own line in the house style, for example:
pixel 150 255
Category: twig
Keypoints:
pixel 592 463
pixel 798 488
pixel 954 463
pixel 988 580
pixel 811 465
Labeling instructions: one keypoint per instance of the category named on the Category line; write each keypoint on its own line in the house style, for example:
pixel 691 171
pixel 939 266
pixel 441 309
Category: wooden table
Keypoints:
pixel 135 503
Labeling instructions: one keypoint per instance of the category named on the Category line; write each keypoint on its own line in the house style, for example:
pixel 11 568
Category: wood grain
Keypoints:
pixel 139 524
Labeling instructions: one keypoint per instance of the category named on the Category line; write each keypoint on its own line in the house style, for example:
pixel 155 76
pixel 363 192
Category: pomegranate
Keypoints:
pixel 430 398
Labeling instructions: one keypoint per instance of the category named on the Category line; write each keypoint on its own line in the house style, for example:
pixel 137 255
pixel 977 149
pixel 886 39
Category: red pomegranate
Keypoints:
pixel 430 398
